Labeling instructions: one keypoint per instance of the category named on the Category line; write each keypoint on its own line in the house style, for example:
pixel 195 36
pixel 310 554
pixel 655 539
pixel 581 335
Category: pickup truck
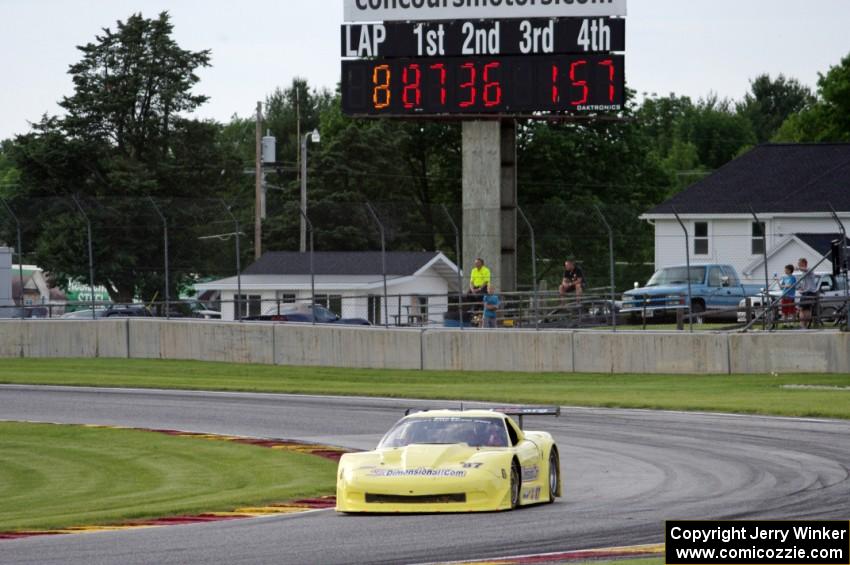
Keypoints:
pixel 713 288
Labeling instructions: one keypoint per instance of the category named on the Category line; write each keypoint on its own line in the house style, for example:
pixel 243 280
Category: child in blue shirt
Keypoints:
pixel 491 307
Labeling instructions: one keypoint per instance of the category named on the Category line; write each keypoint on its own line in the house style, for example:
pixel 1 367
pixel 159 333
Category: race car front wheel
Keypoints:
pixel 554 475
pixel 516 484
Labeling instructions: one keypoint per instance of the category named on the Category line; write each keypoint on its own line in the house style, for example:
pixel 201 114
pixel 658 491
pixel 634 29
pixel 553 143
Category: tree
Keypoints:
pixel 718 133
pixel 770 102
pixel 125 137
pixel 828 119
pixel 567 170
pixel 9 174
pixel 661 119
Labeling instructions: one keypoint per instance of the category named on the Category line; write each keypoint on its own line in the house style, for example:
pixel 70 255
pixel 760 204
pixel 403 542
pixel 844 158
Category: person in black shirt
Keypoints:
pixel 573 280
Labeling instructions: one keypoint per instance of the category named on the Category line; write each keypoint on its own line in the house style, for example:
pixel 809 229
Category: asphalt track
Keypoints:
pixel 625 472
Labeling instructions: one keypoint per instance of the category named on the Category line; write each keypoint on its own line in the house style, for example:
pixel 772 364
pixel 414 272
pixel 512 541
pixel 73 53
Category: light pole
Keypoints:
pixel 315 138
pixel 165 251
pixel 91 256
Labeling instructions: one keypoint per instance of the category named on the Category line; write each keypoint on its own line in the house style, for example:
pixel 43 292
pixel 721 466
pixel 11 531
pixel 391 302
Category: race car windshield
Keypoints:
pixel 475 432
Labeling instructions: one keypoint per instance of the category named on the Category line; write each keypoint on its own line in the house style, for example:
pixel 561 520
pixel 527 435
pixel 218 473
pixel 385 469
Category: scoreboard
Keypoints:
pixel 503 67
pixel 483 85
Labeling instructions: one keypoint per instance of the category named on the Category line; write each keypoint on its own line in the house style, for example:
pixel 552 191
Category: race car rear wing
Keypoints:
pixel 514 411
pixel 520 412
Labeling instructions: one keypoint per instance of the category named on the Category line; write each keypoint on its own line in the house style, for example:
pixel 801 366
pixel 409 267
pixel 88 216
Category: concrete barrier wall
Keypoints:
pixel 353 347
pixel 59 339
pixel 790 353
pixel 202 341
pixel 632 352
pixel 63 339
pixel 496 350
pixel 12 339
pixel 438 349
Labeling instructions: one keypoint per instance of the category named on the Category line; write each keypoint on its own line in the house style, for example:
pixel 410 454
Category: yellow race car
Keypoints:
pixel 453 461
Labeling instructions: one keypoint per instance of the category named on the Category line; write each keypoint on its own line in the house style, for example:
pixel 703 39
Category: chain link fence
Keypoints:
pixel 163 257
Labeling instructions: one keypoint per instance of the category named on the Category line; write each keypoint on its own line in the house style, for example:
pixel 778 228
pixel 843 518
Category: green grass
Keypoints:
pixel 757 394
pixel 61 476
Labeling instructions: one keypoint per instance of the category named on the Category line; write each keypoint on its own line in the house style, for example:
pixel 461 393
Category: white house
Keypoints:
pixel 790 187
pixel 350 284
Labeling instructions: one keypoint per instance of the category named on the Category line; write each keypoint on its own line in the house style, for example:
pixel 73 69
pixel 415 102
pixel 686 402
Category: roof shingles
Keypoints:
pixel 772 178
pixel 399 263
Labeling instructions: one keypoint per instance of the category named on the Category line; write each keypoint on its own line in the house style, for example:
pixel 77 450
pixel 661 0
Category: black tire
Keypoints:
pixel 698 307
pixel 554 475
pixel 516 484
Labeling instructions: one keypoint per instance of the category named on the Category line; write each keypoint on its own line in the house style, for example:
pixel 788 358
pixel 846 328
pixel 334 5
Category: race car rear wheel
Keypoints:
pixel 516 484
pixel 554 475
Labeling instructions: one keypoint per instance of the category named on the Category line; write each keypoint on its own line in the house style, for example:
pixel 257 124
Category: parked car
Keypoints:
pixel 303 313
pixel 25 312
pixel 193 309
pixel 84 314
pixel 713 288
pixel 13 312
pixel 115 311
pixel 831 287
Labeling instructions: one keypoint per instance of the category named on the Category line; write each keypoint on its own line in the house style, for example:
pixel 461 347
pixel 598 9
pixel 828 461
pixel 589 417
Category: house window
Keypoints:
pixel 375 310
pixel 759 231
pixel 700 238
pixel 250 305
pixel 286 298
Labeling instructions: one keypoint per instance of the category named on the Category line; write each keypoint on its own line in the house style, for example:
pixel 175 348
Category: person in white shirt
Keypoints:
pixel 808 293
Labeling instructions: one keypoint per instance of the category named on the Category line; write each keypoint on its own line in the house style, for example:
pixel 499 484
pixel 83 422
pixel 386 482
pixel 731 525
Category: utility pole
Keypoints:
pixel 258 207
pixel 298 131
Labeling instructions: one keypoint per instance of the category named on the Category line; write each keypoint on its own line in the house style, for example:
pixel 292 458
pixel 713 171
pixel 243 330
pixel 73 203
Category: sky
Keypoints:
pixel 689 47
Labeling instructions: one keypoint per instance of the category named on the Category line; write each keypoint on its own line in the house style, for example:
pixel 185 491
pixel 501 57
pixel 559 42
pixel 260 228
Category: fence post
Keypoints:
pixel 843 232
pixel 165 242
pixel 309 225
pixel 533 267
pixel 20 253
pixel 766 302
pixel 91 254
pixel 612 266
pixel 688 267
pixel 461 320
pixel 383 261
pixel 238 234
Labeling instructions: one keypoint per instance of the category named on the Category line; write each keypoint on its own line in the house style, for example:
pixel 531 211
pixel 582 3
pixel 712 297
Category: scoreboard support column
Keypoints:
pixel 490 199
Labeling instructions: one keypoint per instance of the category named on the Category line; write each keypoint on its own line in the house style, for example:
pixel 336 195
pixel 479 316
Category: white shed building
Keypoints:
pixel 348 283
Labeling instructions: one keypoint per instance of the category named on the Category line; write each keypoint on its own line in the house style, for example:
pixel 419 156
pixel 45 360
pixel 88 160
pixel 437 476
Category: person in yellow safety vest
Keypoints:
pixel 480 278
